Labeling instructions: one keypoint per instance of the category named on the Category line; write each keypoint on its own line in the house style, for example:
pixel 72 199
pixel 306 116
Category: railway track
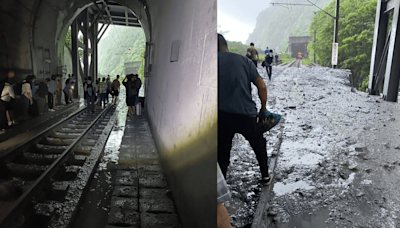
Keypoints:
pixel 295 63
pixel 43 181
pixel 314 64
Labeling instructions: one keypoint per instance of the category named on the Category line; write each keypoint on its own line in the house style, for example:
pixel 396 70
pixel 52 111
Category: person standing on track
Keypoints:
pixel 7 104
pixel 85 93
pixel 43 96
pixel 67 91
pixel 59 89
pixel 237 112
pixel 108 81
pixel 52 93
pixel 269 58
pixel 103 92
pixel 26 97
pixel 252 54
pixel 266 51
pixel 115 87
pixel 91 90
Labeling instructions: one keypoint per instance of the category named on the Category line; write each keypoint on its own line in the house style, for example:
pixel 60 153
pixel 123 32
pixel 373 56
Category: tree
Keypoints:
pixel 356 31
pixel 68 41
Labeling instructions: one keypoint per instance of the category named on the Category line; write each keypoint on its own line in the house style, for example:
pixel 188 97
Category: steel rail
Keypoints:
pixel 291 63
pixel 53 168
pixel 4 155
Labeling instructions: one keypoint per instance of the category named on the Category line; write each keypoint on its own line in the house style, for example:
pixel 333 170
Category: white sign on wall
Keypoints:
pixel 335 47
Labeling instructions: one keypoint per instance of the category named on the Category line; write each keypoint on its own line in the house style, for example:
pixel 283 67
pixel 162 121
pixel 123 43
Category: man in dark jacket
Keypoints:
pixel 237 112
pixel 43 95
pixel 131 92
pixel 269 58
pixel 91 90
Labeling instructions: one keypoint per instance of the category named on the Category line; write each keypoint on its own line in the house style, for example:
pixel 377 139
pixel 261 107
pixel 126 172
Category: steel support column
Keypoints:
pixel 392 74
pixel 85 19
pixel 75 53
pixel 95 50
pixel 93 47
pixel 377 55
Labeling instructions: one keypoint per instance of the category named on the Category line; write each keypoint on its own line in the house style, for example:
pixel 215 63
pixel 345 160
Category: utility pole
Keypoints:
pixel 315 31
pixel 335 40
pixel 336 17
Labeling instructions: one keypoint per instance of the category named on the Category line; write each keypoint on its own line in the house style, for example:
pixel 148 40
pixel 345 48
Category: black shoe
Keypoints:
pixel 267 180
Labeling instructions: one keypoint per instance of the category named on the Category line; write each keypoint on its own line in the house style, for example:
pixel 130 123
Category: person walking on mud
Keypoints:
pixel 269 58
pixel 252 54
pixel 237 112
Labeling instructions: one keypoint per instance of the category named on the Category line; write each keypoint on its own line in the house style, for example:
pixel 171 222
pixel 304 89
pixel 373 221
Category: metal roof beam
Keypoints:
pixel 95 3
pixel 108 12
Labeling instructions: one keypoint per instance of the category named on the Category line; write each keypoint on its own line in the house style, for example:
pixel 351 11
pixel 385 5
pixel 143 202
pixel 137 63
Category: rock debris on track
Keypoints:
pixel 339 161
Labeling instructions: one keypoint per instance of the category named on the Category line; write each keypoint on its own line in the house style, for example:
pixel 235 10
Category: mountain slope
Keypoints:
pixel 276 23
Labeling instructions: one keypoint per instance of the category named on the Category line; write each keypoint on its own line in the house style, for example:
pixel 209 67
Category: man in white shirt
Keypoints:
pixel 6 94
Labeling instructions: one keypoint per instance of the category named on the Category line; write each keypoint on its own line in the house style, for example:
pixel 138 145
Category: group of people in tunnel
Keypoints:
pixel 34 98
pixel 37 98
pixel 100 90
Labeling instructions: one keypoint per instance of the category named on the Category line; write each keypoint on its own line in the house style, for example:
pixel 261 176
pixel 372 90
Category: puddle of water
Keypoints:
pixel 111 150
pixel 307 159
pixel 282 189
pixel 317 219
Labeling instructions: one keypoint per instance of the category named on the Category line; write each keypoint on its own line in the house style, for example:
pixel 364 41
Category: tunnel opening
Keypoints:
pixel 180 87
pixel 105 39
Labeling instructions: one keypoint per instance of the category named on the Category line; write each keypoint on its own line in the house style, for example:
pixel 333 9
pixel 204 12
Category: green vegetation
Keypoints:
pixel 356 31
pixel 68 41
pixel 285 58
pixel 237 47
pixel 306 62
pixel 241 49
pixel 122 44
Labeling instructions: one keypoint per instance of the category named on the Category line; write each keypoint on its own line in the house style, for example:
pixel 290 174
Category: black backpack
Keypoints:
pixel 248 55
pixel 89 89
pixel 131 89
pixel 269 58
pixel 18 88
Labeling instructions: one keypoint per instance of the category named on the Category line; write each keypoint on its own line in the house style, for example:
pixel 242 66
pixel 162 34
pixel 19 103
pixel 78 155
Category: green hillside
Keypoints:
pixel 276 23
pixel 122 44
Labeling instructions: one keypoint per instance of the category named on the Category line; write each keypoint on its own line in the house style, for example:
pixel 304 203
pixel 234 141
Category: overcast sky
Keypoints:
pixel 239 17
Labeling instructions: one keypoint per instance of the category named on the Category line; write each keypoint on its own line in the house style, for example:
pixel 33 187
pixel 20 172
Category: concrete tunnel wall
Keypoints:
pixel 181 96
pixel 182 103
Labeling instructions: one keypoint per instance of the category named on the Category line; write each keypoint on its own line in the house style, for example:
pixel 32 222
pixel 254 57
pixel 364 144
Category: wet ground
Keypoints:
pixel 129 188
pixel 96 205
pixel 337 161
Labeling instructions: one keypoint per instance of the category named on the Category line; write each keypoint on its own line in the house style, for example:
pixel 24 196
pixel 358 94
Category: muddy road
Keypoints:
pixel 338 155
